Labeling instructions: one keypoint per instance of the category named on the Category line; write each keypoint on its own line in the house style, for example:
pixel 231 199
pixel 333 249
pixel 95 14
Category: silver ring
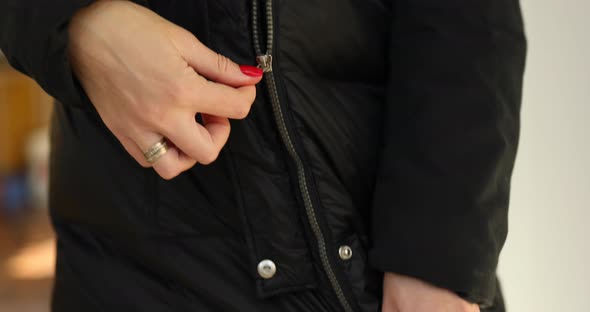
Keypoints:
pixel 156 151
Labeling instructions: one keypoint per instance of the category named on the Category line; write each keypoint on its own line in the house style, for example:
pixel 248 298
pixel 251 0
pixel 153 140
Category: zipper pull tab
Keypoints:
pixel 265 62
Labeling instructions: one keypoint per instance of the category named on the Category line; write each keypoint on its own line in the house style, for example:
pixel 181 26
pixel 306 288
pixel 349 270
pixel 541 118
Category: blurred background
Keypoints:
pixel 26 240
pixel 545 265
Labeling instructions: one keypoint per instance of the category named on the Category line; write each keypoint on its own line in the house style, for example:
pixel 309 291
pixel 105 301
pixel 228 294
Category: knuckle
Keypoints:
pixel 177 93
pixel 168 173
pixel 154 119
pixel 209 157
pixel 151 112
pixel 223 63
pixel 161 117
pixel 243 106
pixel 241 110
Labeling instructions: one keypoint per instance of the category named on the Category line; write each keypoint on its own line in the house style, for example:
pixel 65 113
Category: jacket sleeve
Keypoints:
pixel 451 127
pixel 34 37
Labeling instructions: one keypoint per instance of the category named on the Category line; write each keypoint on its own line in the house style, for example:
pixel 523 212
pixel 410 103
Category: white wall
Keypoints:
pixel 545 265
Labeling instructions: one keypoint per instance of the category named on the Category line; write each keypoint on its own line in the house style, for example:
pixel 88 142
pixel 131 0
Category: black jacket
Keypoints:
pixel 386 126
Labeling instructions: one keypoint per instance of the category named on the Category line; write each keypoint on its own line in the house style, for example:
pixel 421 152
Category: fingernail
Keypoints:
pixel 251 71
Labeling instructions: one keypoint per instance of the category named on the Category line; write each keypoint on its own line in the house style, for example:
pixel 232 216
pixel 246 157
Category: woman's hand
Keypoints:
pixel 148 78
pixel 406 294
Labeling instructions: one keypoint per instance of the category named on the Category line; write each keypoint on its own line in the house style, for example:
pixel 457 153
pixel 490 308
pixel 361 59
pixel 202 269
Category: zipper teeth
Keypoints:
pixel 286 138
pixel 279 118
pixel 269 28
pixel 255 30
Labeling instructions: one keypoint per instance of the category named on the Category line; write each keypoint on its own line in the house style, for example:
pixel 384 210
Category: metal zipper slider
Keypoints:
pixel 265 62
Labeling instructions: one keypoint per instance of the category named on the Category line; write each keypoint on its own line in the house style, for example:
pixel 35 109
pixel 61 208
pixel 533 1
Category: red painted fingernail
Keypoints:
pixel 251 71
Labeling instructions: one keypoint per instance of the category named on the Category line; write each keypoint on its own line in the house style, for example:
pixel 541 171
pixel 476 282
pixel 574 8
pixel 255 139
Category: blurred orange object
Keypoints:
pixel 24 106
pixel 35 261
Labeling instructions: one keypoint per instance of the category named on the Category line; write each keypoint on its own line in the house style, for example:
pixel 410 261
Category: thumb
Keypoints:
pixel 215 66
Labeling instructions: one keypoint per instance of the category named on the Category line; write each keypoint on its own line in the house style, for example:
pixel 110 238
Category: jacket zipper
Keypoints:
pixel 265 63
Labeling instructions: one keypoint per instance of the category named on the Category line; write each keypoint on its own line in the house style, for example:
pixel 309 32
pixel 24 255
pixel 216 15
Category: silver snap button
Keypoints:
pixel 267 269
pixel 345 252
